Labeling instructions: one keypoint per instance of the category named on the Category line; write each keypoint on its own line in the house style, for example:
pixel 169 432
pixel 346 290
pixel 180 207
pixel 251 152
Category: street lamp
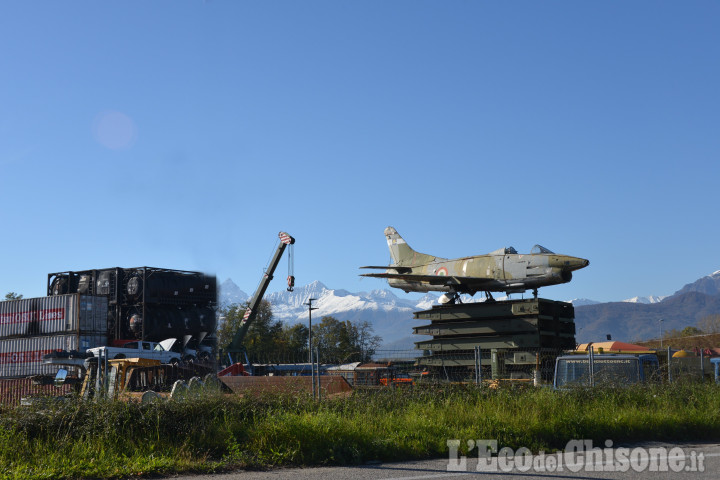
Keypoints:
pixel 312 368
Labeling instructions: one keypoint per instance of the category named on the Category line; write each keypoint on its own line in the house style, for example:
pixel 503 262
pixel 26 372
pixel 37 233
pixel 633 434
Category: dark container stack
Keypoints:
pixel 147 303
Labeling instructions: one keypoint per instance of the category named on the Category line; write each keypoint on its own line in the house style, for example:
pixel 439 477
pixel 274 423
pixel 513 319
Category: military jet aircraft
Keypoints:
pixel 504 270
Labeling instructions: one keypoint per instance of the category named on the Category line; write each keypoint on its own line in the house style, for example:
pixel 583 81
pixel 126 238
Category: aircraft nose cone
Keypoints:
pixel 568 263
pixel 575 263
pixel 579 263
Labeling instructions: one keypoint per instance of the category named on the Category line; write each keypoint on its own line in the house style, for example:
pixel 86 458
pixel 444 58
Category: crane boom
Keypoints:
pixel 236 347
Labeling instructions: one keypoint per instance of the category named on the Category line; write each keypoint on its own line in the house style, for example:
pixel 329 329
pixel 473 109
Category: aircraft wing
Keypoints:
pixel 389 267
pixel 474 282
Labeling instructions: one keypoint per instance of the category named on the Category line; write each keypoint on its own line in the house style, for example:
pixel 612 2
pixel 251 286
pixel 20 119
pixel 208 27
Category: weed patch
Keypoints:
pixel 216 432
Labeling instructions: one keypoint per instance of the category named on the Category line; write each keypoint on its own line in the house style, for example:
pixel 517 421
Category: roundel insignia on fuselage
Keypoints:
pixel 442 271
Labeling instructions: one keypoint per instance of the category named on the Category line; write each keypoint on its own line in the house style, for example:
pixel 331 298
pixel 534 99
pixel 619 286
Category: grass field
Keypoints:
pixel 215 432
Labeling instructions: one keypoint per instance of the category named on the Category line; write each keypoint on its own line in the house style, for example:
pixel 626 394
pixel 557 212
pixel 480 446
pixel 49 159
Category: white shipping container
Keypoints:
pixel 50 315
pixel 21 357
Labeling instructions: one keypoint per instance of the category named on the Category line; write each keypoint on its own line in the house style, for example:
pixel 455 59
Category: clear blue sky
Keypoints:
pixel 186 134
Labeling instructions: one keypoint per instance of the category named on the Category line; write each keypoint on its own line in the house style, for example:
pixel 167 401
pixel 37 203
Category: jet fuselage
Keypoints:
pixel 503 270
pixel 510 273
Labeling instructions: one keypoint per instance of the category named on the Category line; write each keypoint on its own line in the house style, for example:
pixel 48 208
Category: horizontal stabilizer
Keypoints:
pixel 391 267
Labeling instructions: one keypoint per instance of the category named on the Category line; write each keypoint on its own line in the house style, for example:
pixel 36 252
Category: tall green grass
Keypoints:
pixel 216 432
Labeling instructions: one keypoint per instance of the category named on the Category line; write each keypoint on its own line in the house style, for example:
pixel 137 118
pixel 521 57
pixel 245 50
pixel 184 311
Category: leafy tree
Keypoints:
pixel 263 336
pixel 690 331
pixel 344 341
pixel 326 337
pixel 13 296
pixel 295 342
pixel 366 340
pixel 672 333
pixel 230 317
pixel 270 341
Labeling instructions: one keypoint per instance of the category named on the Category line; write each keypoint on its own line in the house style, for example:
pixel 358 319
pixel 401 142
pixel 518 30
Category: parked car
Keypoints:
pixel 193 351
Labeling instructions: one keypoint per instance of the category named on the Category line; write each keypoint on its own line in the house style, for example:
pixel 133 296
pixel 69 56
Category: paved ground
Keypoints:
pixel 655 461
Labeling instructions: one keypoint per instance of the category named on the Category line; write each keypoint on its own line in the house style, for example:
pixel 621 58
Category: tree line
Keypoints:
pixel 708 325
pixel 270 341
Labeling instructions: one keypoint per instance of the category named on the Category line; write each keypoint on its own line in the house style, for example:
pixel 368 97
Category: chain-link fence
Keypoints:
pixel 410 367
pixel 686 366
pixel 403 368
pixel 14 389
pixel 517 365
pixel 625 368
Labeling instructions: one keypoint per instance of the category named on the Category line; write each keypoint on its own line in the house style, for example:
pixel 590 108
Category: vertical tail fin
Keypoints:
pixel 400 251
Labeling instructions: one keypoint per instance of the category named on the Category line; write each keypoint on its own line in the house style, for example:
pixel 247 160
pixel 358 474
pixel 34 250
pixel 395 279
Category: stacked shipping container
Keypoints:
pixel 33 327
pixel 147 303
pixel 95 307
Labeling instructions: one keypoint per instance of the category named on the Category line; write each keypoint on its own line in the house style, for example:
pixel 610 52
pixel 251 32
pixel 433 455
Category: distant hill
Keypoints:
pixel 637 321
pixel 581 302
pixel 709 285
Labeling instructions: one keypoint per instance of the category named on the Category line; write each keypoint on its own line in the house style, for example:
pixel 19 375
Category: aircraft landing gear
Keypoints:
pixel 489 297
pixel 535 293
pixel 450 298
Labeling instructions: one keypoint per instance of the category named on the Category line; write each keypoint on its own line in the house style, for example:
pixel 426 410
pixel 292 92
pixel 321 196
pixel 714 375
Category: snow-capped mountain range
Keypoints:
pixel 647 300
pixel 581 302
pixel 391 316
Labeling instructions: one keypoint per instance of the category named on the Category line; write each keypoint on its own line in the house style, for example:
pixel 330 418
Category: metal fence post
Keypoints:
pixel 477 365
pixel 669 360
pixel 495 363
pixel 480 366
pixel 106 380
pixel 98 373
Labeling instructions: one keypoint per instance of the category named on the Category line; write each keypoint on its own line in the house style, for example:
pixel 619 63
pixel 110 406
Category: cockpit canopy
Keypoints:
pixel 504 251
pixel 540 249
pixel 511 251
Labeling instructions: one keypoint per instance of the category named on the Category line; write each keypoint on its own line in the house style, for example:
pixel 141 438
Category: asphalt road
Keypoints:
pixel 654 461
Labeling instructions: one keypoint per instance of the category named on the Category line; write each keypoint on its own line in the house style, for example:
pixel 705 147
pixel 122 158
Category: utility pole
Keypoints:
pixel 310 350
pixel 661 332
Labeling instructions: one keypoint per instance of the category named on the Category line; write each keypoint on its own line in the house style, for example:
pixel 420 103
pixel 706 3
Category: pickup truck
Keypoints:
pixel 141 349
